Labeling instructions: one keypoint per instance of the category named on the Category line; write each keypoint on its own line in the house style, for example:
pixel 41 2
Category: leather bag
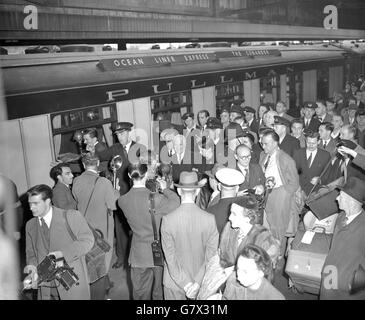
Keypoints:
pixel 157 254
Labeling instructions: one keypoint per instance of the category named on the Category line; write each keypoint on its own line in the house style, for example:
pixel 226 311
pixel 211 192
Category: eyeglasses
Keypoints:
pixel 245 157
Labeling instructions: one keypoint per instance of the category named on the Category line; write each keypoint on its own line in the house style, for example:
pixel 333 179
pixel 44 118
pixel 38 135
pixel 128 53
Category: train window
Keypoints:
pixel 322 83
pixel 226 94
pixel 294 89
pixel 65 124
pixel 171 106
pixel 270 87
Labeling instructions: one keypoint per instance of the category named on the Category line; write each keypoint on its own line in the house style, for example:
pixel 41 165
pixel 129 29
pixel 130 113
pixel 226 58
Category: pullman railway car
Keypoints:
pixel 50 96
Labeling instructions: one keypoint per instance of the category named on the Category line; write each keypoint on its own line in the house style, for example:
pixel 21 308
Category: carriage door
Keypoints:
pixel 336 83
pixel 252 93
pixel 323 83
pixel 309 85
pixel 291 89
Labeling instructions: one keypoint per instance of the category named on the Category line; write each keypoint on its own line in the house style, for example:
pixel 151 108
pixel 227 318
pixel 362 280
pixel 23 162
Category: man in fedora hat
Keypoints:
pixel 347 250
pixel 130 152
pixel 189 239
pixel 229 181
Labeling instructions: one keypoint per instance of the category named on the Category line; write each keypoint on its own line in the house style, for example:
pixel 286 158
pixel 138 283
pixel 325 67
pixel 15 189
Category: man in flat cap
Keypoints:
pixel 253 123
pixel 347 252
pixel 229 181
pixel 287 143
pixel 310 122
pixel 130 152
pixel 189 239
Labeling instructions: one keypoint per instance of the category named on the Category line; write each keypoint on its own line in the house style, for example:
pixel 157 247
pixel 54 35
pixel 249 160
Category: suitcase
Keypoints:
pixel 305 261
pixel 304 269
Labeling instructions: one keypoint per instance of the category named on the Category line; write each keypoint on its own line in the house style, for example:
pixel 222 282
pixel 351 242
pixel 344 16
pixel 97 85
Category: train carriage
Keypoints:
pixel 50 96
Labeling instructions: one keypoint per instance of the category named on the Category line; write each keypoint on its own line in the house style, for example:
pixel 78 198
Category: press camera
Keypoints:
pixel 48 270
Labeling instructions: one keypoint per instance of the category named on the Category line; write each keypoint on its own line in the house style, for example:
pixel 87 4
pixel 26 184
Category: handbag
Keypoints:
pixel 156 244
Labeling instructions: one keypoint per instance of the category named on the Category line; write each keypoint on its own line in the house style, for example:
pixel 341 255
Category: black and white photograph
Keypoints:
pixel 194 152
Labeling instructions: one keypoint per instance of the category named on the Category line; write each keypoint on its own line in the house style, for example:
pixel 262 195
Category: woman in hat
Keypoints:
pixel 242 229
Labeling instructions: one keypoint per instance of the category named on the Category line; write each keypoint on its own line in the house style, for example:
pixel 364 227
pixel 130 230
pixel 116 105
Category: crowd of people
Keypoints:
pixel 210 213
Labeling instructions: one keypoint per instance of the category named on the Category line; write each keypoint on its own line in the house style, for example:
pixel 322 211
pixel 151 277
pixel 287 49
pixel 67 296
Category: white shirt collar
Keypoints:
pixel 138 186
pixel 180 156
pixel 242 167
pixel 92 170
pixel 127 146
pixel 326 141
pixel 47 218
pixel 313 153
pixel 352 217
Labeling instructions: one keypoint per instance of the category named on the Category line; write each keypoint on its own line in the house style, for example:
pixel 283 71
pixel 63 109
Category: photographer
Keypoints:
pixel 46 234
pixel 145 275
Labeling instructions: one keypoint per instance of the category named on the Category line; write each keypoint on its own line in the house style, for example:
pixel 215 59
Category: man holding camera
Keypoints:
pixel 46 235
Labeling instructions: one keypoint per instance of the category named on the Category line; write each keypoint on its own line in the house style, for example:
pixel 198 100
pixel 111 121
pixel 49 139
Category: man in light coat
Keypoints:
pixel 96 198
pixel 189 239
pixel 47 234
pixel 282 207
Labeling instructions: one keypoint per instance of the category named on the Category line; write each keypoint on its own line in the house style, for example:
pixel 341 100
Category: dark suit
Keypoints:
pixel 305 173
pixel 253 177
pixel 327 118
pixel 289 145
pixel 100 147
pixel 330 146
pixel 359 160
pixel 60 240
pixel 221 212
pixel 121 225
pixel 347 252
pixel 146 278
pixel 362 138
pixel 313 124
pixel 256 151
pixel 62 197
pixel 255 125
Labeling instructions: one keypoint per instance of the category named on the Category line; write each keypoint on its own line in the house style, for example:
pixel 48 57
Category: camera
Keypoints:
pixel 48 271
